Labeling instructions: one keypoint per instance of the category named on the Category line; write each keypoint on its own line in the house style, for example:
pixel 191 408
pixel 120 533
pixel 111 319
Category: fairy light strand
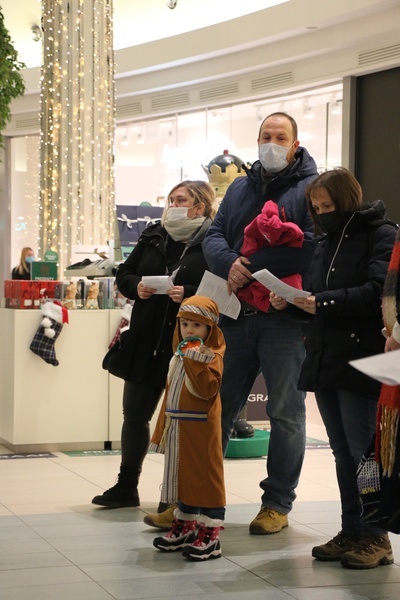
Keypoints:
pixel 77 184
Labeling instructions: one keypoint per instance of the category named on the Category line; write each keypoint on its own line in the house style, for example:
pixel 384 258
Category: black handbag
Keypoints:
pixel 118 360
pixel 379 495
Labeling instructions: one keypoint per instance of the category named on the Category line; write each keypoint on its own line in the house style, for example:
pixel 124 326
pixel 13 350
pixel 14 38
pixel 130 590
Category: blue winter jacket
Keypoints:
pixel 247 194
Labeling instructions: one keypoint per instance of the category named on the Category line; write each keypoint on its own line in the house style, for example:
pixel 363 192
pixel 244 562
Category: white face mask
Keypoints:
pixel 176 213
pixel 273 157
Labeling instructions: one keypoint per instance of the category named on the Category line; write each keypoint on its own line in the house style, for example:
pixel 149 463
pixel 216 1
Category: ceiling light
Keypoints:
pixel 307 110
pixel 336 106
pixel 259 113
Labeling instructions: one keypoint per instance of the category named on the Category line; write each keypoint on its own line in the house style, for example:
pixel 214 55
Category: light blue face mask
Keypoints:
pixel 29 259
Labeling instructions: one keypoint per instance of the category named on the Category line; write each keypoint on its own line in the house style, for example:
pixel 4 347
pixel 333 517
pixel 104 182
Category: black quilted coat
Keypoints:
pixel 346 276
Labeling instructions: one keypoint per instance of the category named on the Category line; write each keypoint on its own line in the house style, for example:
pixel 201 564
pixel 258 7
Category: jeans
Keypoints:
pixel 349 419
pixel 274 345
pixel 140 400
pixel 211 513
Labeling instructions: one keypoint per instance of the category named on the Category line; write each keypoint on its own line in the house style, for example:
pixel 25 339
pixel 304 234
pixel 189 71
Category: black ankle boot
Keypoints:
pixel 243 429
pixel 123 493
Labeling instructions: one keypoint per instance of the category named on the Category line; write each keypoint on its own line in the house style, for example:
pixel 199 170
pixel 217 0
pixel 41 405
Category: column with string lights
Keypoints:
pixel 77 126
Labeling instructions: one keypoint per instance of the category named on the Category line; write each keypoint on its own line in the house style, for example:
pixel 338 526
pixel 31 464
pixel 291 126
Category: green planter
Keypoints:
pixel 249 447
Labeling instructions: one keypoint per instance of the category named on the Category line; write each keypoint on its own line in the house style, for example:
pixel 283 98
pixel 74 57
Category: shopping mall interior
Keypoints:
pixel 191 80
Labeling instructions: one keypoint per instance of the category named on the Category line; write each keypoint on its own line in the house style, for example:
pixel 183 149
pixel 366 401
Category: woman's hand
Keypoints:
pixel 308 304
pixel 144 292
pixel 176 293
pixel 391 344
pixel 277 302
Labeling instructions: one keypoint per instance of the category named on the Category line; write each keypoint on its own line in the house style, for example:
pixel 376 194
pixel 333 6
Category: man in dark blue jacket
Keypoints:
pixel 259 341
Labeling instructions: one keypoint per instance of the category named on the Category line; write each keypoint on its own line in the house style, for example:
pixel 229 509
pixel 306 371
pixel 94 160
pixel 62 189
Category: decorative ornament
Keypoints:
pixel 221 171
pixel 54 316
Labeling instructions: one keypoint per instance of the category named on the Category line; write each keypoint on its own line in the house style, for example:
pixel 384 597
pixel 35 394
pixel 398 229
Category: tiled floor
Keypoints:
pixel 55 545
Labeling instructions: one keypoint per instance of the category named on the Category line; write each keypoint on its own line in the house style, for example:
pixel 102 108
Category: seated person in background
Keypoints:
pixel 22 271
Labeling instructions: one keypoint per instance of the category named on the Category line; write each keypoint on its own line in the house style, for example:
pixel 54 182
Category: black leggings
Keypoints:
pixel 139 402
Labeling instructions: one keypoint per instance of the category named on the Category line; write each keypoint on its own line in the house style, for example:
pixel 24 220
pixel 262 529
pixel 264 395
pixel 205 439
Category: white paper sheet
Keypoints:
pixel 161 283
pixel 382 367
pixel 216 288
pixel 277 286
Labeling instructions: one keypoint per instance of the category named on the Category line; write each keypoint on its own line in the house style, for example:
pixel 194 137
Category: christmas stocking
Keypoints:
pixel 124 324
pixel 54 316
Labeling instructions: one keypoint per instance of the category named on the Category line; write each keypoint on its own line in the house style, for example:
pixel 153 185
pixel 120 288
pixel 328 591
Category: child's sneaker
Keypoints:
pixel 205 546
pixel 181 534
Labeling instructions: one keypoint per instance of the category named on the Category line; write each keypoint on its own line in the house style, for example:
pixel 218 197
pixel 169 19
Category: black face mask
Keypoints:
pixel 330 221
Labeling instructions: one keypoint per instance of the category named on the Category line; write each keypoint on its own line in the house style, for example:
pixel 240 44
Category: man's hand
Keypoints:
pixel 238 275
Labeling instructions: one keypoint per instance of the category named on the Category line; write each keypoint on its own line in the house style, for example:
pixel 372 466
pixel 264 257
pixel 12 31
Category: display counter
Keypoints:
pixel 75 405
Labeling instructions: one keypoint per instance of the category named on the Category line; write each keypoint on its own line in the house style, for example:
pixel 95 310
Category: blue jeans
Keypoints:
pixel 212 513
pixel 274 345
pixel 349 419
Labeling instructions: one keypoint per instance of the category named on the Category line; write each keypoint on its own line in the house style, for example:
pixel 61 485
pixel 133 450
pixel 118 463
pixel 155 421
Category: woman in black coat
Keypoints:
pixel 170 248
pixel 22 271
pixel 346 279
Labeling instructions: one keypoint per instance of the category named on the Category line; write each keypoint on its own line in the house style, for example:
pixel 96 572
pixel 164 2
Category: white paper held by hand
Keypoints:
pixel 277 286
pixel 161 283
pixel 382 367
pixel 216 288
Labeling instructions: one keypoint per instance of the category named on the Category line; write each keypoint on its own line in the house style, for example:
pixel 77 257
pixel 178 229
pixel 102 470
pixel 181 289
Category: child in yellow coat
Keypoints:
pixel 188 431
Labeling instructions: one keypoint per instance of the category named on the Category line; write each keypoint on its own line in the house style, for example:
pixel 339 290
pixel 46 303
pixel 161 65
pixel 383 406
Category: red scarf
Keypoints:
pixel 387 430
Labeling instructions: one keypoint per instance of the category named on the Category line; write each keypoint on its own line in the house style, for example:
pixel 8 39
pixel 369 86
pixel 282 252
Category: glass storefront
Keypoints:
pixel 152 156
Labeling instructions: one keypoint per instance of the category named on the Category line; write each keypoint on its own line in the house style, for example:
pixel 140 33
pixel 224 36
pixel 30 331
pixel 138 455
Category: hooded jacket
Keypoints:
pixel 188 428
pixel 268 230
pixel 244 200
pixel 153 320
pixel 346 276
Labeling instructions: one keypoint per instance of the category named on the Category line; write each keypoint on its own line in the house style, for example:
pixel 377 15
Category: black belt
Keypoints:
pixel 248 311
